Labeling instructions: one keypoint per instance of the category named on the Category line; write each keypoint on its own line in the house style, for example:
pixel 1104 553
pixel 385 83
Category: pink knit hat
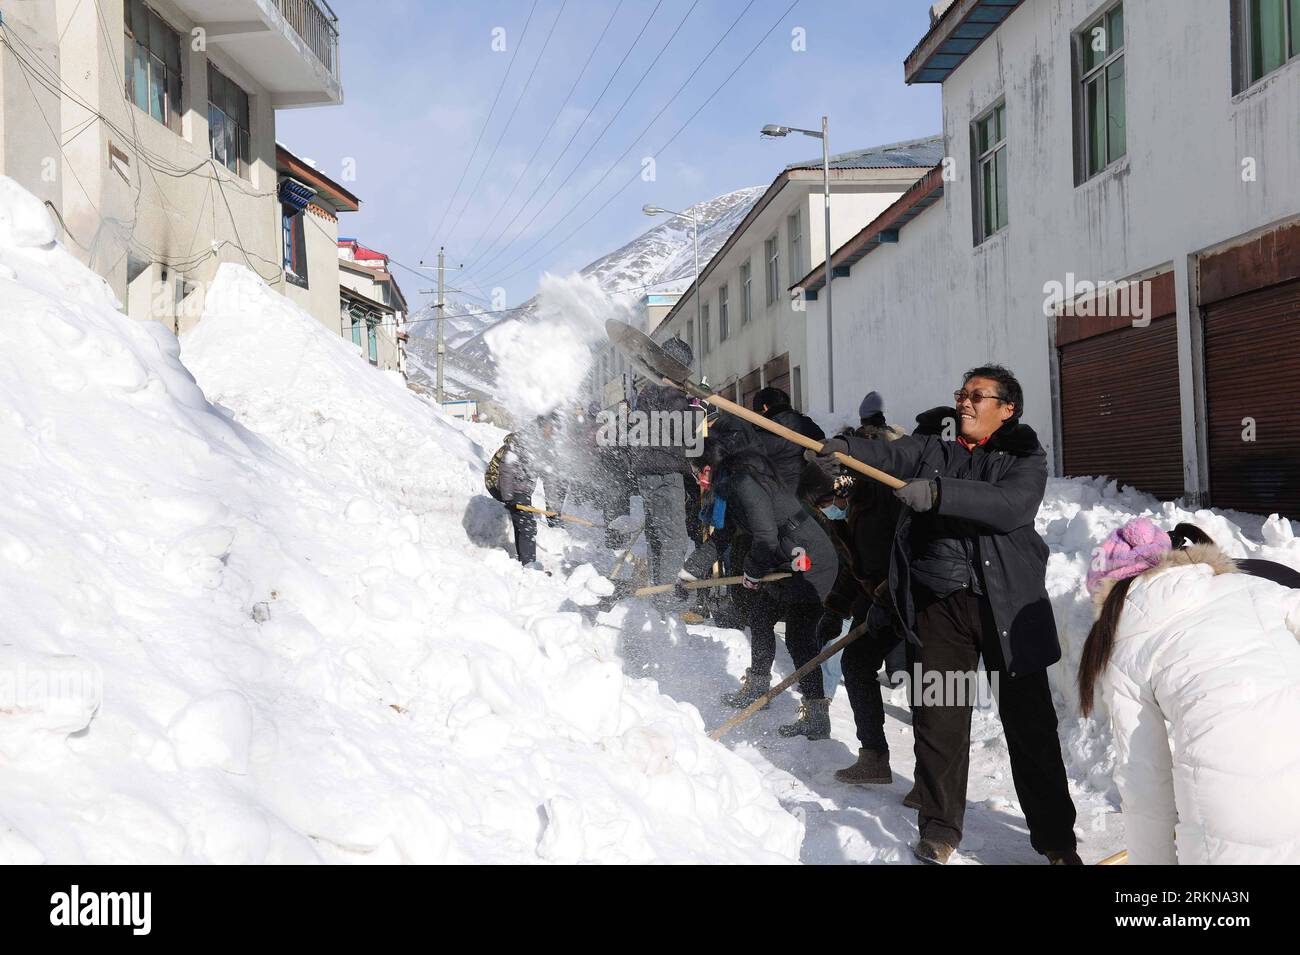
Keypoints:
pixel 1132 549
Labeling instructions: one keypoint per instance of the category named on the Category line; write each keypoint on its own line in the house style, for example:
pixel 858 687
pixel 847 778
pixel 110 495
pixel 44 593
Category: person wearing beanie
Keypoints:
pixel 1198 668
pixel 872 410
pixel 661 473
pixel 968 583
pixel 774 404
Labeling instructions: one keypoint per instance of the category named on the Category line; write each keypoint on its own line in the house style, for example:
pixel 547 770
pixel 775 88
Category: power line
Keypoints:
pixel 546 135
pixel 577 128
pixel 509 119
pixel 614 165
pixel 636 174
pixel 579 164
pixel 468 162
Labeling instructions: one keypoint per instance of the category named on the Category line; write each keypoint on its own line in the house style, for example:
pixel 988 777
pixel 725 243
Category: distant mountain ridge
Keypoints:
pixel 661 259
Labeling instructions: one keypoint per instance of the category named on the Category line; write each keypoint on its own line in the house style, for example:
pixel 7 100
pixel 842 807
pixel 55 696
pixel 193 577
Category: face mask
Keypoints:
pixel 835 513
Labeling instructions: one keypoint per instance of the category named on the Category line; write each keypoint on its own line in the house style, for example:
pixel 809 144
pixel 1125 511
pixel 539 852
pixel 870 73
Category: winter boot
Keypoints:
pixel 814 721
pixel 752 686
pixel 913 799
pixel 1063 857
pixel 872 767
pixel 933 851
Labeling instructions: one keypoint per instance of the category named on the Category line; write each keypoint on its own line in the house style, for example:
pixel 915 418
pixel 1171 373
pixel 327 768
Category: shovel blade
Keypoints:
pixel 644 354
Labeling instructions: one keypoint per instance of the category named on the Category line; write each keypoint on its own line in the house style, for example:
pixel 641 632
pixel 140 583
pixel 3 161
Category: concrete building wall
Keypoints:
pixel 321 296
pixel 911 317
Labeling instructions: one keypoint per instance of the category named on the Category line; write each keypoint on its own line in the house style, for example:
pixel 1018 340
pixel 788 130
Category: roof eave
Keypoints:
pixel 957 34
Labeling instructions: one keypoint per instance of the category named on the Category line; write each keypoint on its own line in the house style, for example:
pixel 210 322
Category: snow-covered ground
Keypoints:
pixel 259 609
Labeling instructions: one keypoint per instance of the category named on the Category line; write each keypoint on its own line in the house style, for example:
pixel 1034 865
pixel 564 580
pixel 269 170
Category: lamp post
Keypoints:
pixel 780 131
pixel 695 229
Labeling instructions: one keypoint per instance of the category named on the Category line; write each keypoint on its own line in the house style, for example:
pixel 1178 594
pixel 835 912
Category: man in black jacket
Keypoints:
pixel 774 404
pixel 967 575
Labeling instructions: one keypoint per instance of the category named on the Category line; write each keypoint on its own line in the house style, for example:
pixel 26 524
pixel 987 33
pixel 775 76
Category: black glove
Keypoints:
pixel 920 495
pixel 832 446
pixel 680 591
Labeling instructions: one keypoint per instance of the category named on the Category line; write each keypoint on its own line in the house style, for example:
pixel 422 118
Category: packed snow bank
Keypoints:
pixel 257 629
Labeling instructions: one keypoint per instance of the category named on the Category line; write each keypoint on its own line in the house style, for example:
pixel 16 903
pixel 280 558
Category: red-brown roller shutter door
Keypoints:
pixel 1120 412
pixel 1252 371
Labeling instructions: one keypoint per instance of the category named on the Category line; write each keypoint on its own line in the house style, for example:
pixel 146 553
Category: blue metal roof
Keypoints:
pixel 911 154
pixel 960 38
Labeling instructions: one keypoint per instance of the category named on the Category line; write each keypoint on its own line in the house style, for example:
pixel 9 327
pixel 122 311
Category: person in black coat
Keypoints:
pixel 967 574
pixel 783 537
pixel 1184 534
pixel 786 456
pixel 512 477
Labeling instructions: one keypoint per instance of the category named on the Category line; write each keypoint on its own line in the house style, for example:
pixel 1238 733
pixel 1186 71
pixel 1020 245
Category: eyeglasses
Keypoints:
pixel 975 397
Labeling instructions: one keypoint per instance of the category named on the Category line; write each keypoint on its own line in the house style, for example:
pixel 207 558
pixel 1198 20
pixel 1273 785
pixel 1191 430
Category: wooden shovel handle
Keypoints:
pixel 705 584
pixel 756 419
pixel 545 513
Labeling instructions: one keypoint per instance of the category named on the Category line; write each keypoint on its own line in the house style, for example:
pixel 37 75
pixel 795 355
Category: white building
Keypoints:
pixel 310 204
pixel 611 376
pixel 372 309
pixel 149 129
pixel 748 333
pixel 1095 140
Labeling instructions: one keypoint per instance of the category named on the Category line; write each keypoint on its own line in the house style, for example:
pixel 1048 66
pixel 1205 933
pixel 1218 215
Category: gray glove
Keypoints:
pixel 831 446
pixel 920 495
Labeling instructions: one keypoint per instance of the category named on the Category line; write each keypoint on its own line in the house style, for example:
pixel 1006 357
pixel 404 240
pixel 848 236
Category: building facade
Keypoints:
pixel 749 333
pixel 372 309
pixel 149 130
pixel 310 204
pixel 1117 219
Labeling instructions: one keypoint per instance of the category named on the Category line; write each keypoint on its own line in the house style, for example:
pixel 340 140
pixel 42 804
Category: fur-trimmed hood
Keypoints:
pixel 1207 554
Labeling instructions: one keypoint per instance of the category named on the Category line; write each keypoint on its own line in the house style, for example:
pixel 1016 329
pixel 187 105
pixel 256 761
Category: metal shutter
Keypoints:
pixel 1120 407
pixel 1252 370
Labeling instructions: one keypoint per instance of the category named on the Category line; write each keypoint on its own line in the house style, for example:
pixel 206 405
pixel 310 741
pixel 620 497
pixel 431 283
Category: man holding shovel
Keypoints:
pixel 967 574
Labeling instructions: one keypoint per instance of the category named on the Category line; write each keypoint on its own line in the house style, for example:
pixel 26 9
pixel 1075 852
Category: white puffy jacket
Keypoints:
pixel 1206 661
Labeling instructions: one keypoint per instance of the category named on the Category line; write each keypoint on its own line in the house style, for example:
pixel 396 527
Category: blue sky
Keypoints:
pixel 420 78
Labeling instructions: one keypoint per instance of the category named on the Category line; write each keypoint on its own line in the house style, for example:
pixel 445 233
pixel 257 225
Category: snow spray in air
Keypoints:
pixel 542 363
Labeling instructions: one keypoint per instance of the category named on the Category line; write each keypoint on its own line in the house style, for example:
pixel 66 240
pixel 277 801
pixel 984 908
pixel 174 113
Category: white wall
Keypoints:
pixel 911 317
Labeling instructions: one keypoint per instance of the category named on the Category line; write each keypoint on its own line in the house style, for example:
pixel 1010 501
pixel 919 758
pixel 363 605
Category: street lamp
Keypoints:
pixel 777 132
pixel 695 229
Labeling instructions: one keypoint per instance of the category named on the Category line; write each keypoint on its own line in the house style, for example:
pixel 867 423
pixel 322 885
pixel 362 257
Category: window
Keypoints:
pixel 794 226
pixel 746 294
pixel 228 123
pixel 704 329
pixel 356 330
pixel 1100 115
pixel 295 246
pixel 989 136
pixel 724 314
pixel 372 340
pixel 152 64
pixel 1266 35
pixel 773 258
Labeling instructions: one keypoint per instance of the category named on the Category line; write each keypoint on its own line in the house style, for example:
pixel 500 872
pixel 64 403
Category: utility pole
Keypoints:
pixel 441 345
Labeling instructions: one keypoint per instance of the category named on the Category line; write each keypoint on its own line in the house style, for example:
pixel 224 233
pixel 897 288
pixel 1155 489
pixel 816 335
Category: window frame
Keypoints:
pixel 1082 78
pixel 772 266
pixel 293 234
pixel 988 158
pixel 794 236
pixel 243 135
pixel 724 311
pixel 1243 37
pixel 372 341
pixel 746 292
pixel 153 61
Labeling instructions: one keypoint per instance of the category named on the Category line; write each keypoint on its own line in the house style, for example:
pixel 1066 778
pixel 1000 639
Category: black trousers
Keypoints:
pixel 860 662
pixel 792 604
pixel 525 526
pixel 955 631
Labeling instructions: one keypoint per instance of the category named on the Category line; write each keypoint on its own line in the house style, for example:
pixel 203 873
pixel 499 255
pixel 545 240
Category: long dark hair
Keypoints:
pixel 1101 640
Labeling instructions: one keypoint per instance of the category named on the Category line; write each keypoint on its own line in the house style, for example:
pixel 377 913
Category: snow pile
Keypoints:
pixel 542 362
pixel 255 625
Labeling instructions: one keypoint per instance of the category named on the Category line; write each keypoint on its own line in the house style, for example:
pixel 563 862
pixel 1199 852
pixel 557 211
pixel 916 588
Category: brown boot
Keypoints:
pixel 872 767
pixel 933 851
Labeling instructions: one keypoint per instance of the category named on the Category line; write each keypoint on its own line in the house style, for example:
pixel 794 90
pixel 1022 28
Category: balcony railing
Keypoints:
pixel 319 29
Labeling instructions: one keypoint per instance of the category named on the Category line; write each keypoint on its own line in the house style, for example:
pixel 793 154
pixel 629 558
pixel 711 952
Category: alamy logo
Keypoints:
pixel 653 429
pixel 1081 298
pixel 102 908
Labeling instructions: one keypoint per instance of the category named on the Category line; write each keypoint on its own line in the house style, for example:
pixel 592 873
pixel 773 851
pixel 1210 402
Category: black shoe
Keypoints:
pixel 913 798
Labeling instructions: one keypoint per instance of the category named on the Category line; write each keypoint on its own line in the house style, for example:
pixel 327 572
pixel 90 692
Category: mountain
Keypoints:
pixel 661 259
